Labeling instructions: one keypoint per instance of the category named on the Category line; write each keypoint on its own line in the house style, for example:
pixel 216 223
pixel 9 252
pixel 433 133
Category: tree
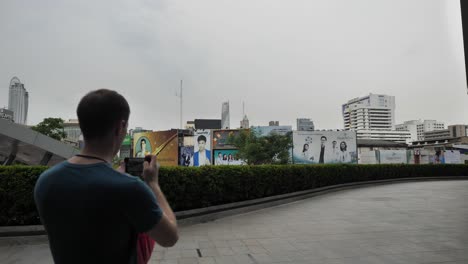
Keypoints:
pixel 255 150
pixel 52 127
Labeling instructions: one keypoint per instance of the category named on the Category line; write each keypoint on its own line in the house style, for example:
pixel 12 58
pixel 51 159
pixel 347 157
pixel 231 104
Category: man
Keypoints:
pixel 202 156
pixel 219 160
pixel 93 213
pixel 335 152
pixel 323 140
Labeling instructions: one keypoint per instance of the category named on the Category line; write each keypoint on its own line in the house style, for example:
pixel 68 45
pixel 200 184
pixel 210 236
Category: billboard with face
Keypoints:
pixel 221 137
pixel 202 148
pixel 162 143
pixel 320 147
pixel 227 157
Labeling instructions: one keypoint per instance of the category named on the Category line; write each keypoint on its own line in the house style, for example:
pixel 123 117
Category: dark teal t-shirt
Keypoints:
pixel 92 213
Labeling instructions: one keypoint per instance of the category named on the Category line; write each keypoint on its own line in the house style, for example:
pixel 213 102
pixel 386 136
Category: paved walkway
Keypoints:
pixel 420 222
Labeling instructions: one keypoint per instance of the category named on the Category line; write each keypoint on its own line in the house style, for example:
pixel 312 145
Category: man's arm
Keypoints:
pixel 165 232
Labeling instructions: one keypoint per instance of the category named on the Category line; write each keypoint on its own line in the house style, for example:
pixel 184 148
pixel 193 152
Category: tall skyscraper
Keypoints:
pixel 245 122
pixel 372 112
pixel 225 122
pixel 18 101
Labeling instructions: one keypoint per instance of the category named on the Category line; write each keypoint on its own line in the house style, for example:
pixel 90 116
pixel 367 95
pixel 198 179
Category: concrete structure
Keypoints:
pixel 273 123
pixel 137 130
pixel 20 144
pixel 72 131
pixel 267 130
pixel 18 101
pixel 417 128
pixel 436 135
pixel 190 125
pixel 6 114
pixel 305 124
pixel 375 151
pixel 372 112
pixel 427 148
pixel 244 123
pixel 410 223
pixel 458 131
pixel 225 120
pixel 389 135
pixel 453 131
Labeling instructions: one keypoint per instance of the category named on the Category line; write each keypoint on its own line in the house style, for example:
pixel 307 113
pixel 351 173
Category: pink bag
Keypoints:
pixel 145 246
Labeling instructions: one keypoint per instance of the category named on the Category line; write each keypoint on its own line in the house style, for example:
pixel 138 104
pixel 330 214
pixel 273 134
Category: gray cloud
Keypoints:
pixel 285 59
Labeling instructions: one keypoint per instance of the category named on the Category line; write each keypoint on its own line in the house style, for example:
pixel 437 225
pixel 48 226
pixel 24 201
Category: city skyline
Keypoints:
pixel 305 65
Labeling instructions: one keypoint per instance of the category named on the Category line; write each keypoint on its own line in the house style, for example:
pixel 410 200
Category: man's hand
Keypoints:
pixel 121 168
pixel 151 170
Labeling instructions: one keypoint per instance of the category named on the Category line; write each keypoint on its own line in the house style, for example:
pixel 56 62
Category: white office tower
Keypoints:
pixel 225 122
pixel 373 117
pixel 18 100
pixel 372 112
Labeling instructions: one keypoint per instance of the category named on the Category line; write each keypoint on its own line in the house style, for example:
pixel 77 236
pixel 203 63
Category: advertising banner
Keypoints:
pixel 220 138
pixel 162 143
pixel 368 157
pixel 186 154
pixel 319 147
pixel 393 157
pixel 262 131
pixel 202 148
pixel 452 157
pixel 227 157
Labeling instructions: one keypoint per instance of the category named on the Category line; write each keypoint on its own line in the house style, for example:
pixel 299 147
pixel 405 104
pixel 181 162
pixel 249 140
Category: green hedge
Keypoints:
pixel 189 188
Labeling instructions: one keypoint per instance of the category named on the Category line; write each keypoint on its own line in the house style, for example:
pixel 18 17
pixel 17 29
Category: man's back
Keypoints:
pixel 93 213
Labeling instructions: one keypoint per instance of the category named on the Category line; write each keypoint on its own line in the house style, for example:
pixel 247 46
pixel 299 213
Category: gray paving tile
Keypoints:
pixel 421 222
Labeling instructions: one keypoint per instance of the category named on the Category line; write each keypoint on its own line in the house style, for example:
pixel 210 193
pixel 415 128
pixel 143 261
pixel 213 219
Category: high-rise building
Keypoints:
pixel 225 122
pixel 6 114
pixel 245 122
pixel 458 131
pixel 372 112
pixel 453 131
pixel 18 100
pixel 305 124
pixel 72 130
pixel 273 123
pixel 418 128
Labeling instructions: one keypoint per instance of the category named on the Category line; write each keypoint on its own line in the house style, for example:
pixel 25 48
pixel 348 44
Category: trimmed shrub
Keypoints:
pixel 190 188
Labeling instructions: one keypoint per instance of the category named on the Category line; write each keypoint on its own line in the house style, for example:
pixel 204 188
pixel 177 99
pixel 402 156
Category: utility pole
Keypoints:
pixel 180 95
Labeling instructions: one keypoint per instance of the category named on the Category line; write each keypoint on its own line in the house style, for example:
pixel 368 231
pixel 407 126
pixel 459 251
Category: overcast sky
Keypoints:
pixel 285 59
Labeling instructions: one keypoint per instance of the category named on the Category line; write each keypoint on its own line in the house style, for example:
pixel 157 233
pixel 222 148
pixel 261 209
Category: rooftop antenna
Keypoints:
pixel 243 109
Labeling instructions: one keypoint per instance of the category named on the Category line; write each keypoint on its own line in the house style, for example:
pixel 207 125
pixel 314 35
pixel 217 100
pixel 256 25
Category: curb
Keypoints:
pixel 212 213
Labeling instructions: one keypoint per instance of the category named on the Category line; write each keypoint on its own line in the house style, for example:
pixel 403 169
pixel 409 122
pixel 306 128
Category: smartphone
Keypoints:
pixel 134 166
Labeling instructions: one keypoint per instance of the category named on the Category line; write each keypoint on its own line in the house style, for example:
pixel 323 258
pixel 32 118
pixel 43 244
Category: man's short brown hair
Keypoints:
pixel 100 111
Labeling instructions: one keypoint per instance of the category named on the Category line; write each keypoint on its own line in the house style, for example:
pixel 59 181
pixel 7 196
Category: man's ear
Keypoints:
pixel 121 126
